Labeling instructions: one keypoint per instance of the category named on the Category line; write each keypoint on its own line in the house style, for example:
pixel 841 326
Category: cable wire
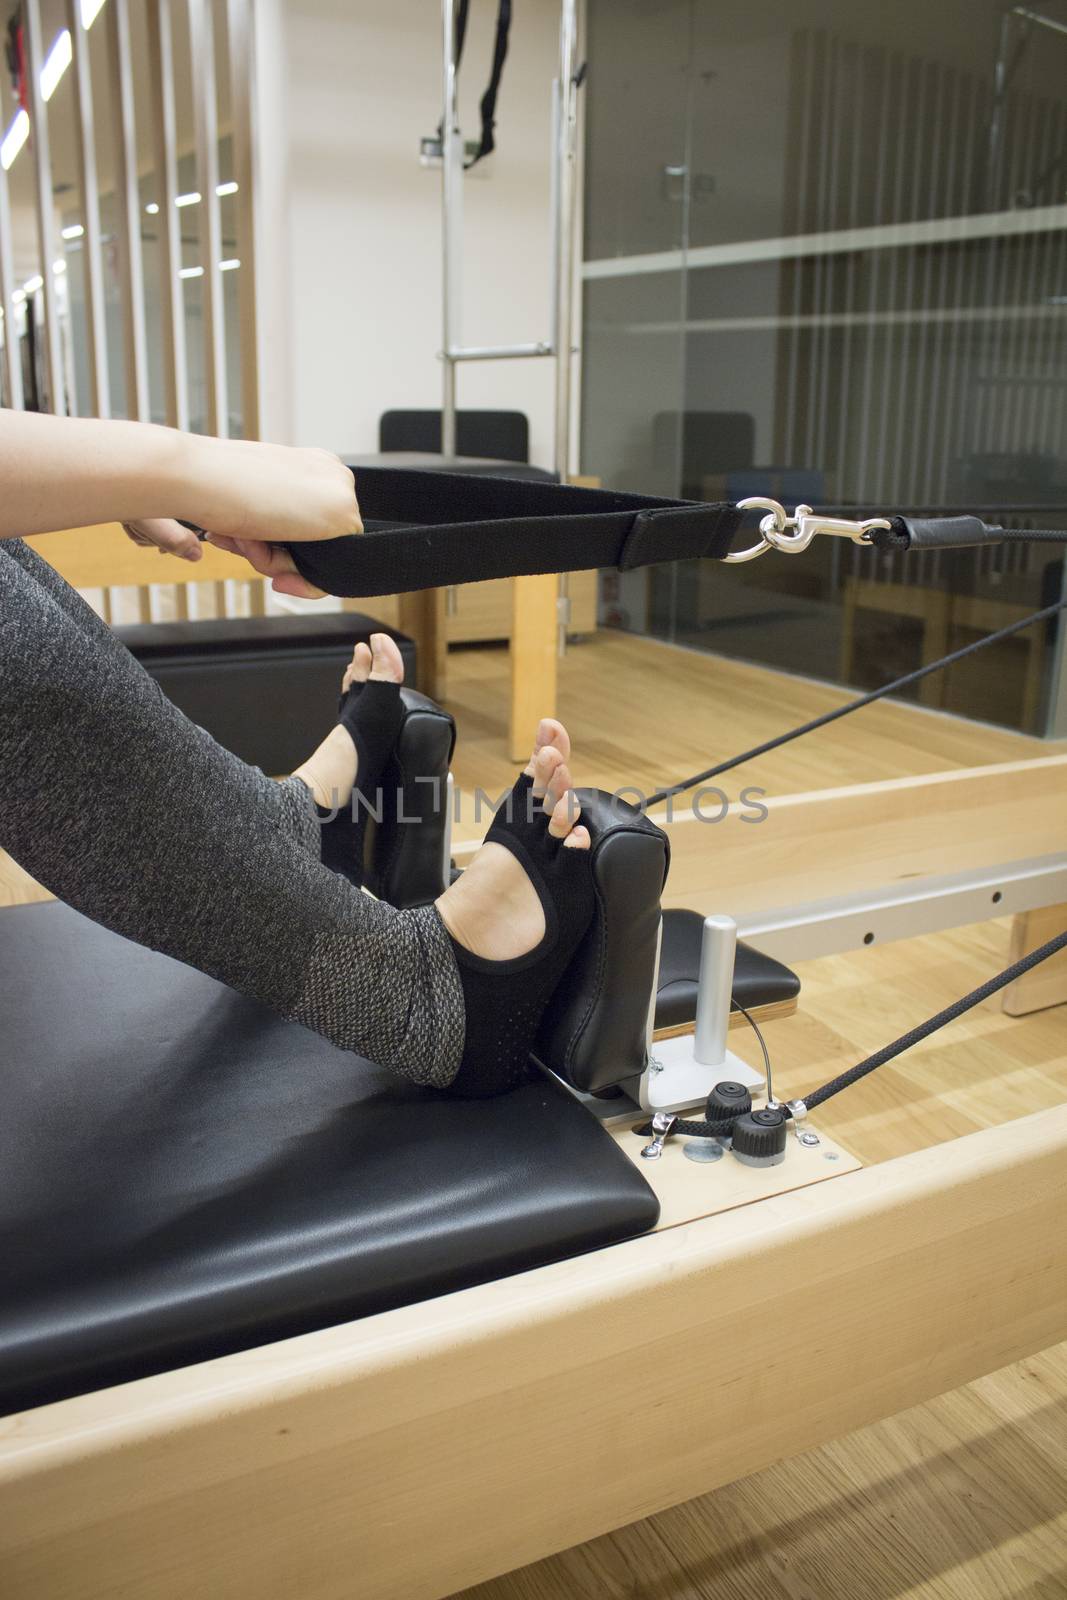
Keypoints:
pixel 888 1052
pixel 941 1020
pixel 853 705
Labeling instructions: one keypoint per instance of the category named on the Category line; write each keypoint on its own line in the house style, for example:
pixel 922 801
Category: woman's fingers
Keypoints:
pixel 167 536
pixel 270 561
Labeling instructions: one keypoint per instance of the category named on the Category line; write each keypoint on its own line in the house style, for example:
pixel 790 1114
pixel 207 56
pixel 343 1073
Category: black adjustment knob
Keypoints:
pixel 728 1100
pixel 760 1137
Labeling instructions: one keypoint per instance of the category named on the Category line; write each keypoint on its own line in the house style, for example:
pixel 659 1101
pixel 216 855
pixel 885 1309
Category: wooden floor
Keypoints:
pixel 961 1499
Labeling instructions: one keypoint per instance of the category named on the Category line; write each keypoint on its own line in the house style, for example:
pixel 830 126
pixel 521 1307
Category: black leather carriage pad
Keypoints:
pixel 182 1174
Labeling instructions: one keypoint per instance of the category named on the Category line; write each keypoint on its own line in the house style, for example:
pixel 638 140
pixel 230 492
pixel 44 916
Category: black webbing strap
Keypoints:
pixel 488 101
pixel 428 530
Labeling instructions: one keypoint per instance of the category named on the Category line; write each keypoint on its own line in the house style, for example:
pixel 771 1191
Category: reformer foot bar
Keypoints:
pixel 428 530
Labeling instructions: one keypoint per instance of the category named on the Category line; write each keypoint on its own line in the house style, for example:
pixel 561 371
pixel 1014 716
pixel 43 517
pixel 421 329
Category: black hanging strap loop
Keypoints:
pixel 487 105
pixel 488 101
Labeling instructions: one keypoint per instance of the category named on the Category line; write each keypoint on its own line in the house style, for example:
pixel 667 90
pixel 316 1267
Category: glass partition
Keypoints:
pixel 826 261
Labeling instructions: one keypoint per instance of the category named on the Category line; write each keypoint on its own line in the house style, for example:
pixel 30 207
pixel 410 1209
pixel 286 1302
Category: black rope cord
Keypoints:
pixel 931 1025
pixel 896 536
pixel 1031 535
pixel 854 705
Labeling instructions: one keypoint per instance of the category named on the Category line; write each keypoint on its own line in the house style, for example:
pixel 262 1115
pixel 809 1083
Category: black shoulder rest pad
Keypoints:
pixel 425 530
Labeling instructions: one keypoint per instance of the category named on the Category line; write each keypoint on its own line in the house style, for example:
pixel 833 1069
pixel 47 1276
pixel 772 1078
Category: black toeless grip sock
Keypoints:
pixel 373 714
pixel 505 1000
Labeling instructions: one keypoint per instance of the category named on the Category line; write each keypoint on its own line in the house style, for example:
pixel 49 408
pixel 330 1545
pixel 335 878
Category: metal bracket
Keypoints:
pixel 681 1071
pixel 805 1135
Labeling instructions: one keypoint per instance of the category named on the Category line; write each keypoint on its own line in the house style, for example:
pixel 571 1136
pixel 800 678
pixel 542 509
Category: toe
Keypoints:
pixel 551 735
pixel 565 814
pixel 387 663
pixel 358 669
pixel 558 784
pixel 577 839
pixel 542 769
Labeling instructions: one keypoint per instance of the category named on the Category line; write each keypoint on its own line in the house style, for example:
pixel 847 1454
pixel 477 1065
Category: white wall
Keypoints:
pixel 356 279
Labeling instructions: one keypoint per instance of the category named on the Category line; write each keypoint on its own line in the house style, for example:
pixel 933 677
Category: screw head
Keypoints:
pixel 703 1150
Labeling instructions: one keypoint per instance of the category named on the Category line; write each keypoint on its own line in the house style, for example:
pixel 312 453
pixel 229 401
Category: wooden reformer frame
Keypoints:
pixel 408 1455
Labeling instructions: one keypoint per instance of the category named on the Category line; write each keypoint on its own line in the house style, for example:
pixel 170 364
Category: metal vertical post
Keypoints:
pixel 566 103
pixel 564 265
pixel 718 950
pixel 45 214
pixel 12 353
pixel 92 256
pixel 555 124
pixel 241 22
pixel 202 43
pixel 128 194
pixel 564 158
pixel 161 66
pixel 451 201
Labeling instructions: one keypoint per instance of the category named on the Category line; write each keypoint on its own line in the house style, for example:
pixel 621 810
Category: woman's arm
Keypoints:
pixel 72 472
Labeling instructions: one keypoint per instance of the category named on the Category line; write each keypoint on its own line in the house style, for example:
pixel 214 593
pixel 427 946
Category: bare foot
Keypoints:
pixel 330 771
pixel 493 910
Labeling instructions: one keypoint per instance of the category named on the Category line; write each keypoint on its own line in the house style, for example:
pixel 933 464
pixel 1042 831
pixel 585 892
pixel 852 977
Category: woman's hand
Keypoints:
pixel 250 496
pixel 76 472
pixel 255 495
pixel 265 492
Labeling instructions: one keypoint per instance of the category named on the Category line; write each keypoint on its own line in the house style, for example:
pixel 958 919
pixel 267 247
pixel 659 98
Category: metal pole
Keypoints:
pixel 161 62
pixel 128 194
pixel 500 352
pixel 565 105
pixel 12 352
pixel 555 126
pixel 91 245
pixel 45 214
pixel 451 203
pixel 202 44
pixel 241 18
pixel 564 233
pixel 718 950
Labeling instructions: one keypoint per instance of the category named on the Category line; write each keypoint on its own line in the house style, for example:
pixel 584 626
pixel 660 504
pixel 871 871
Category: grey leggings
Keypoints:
pixel 129 812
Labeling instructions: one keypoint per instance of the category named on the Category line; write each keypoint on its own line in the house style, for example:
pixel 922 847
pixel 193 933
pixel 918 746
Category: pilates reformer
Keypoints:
pixel 316 1278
